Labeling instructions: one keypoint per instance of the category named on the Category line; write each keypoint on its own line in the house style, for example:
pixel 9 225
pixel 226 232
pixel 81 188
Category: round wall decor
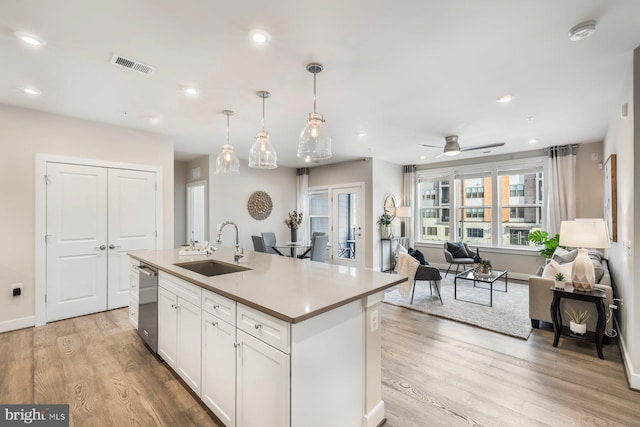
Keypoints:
pixel 259 205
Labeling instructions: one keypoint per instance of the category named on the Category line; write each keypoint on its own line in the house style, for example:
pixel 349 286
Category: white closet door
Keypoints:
pixel 132 226
pixel 76 241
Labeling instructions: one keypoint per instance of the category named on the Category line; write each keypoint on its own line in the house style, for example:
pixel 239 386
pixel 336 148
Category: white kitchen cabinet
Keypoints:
pixel 179 328
pixel 219 367
pixel 262 383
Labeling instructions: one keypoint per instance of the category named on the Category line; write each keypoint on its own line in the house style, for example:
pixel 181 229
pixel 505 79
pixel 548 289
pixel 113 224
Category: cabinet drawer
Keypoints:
pixel 133 311
pixel 188 291
pixel 269 329
pixel 219 306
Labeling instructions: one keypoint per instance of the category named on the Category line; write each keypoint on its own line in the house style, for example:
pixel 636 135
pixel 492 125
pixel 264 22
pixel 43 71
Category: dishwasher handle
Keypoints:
pixel 146 270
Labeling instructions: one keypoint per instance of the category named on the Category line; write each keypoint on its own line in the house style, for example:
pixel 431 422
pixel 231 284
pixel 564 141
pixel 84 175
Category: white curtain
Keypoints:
pixel 561 195
pixel 302 200
pixel 408 198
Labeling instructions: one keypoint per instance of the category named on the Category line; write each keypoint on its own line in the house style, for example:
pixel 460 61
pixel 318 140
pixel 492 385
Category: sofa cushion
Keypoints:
pixel 563 256
pixel 596 260
pixel 418 255
pixel 554 268
pixel 458 250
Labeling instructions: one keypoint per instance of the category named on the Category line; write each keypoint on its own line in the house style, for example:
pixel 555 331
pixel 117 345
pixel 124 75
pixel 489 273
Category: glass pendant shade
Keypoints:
pixel 227 162
pixel 262 155
pixel 314 142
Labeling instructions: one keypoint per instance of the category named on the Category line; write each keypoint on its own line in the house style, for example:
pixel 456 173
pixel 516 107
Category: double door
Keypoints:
pixel 95 215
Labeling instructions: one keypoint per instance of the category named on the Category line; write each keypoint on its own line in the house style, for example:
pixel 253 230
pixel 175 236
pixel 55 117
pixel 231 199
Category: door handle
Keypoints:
pixel 101 247
pixel 112 246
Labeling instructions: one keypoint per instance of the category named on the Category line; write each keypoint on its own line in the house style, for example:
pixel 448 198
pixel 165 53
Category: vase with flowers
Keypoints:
pixel 293 221
pixel 385 225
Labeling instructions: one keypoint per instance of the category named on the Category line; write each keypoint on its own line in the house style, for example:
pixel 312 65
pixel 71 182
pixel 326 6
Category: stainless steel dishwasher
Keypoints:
pixel 148 310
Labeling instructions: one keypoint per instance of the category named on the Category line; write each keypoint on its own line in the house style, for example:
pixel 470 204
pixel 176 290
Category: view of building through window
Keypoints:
pixel 509 200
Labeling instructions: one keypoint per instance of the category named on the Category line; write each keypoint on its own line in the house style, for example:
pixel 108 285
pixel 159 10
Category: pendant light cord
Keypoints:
pixel 228 128
pixel 263 114
pixel 314 93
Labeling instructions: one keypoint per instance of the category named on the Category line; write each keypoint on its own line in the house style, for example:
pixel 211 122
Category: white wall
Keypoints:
pixel 230 193
pixel 387 179
pixel 179 203
pixel 620 139
pixel 23 133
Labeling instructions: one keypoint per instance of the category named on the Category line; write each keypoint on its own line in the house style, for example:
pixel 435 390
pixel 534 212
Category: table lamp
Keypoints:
pixel 584 234
pixel 403 212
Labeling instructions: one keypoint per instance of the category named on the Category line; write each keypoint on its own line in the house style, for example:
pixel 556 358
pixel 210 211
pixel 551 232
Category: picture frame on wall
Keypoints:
pixel 611 197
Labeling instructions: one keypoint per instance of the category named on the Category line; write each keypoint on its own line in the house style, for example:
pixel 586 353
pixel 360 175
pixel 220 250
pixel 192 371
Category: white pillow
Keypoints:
pixel 402 249
pixel 554 268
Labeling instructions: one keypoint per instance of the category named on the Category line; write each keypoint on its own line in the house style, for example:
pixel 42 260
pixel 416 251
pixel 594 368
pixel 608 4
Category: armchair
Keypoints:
pixel 458 259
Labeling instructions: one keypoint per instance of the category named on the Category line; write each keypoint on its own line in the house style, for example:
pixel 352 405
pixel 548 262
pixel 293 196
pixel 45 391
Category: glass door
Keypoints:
pixel 347 239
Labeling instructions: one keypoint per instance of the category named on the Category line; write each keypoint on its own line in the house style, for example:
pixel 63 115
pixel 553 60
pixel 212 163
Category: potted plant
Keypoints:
pixel 484 268
pixel 540 237
pixel 293 222
pixel 578 321
pixel 385 225
pixel 559 282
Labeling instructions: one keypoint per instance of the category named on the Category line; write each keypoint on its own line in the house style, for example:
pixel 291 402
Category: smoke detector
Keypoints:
pixel 582 30
pixel 133 64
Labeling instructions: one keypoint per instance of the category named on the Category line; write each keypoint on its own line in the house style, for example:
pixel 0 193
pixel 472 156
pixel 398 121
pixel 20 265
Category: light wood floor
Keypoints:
pixel 435 373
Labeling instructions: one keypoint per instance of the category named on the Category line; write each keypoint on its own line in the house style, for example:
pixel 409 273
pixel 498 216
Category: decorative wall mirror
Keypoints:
pixel 390 205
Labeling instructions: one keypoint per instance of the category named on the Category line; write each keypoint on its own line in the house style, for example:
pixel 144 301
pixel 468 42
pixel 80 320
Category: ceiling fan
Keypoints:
pixel 452 148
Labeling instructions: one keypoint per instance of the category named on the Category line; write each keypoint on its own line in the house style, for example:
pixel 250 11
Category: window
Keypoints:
pixel 318 213
pixel 488 204
pixel 433 208
pixel 475 233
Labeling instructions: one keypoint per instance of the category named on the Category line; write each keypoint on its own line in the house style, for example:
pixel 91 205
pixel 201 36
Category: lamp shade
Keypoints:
pixel 403 212
pixel 584 233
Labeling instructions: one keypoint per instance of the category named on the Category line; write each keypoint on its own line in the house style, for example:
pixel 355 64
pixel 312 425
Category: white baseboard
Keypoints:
pixel 12 325
pixel 375 416
pixel 511 275
pixel 632 376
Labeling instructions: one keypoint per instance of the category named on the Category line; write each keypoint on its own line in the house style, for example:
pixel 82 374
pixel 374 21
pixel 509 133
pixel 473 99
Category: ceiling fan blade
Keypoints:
pixel 481 147
pixel 432 146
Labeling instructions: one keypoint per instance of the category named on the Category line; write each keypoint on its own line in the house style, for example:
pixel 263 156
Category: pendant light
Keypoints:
pixel 314 142
pixel 227 162
pixel 262 155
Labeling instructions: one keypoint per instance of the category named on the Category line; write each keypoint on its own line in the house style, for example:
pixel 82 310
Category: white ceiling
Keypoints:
pixel 404 72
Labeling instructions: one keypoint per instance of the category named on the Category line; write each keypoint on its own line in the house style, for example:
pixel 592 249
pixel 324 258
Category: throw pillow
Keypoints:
pixel 418 255
pixel 596 260
pixel 565 256
pixel 458 250
pixel 554 268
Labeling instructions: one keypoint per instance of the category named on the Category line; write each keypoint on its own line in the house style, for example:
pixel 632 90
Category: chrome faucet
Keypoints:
pixel 239 251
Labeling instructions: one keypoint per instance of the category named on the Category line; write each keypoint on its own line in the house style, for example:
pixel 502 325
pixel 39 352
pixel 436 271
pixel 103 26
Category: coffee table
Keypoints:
pixel 472 276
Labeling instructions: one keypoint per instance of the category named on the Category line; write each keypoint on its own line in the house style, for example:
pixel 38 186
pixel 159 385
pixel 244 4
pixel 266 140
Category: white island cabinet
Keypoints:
pixel 284 342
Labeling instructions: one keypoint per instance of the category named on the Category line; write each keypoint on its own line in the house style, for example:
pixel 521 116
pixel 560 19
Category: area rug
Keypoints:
pixel 509 314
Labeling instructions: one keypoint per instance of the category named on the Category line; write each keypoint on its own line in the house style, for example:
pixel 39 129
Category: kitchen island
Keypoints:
pixel 281 342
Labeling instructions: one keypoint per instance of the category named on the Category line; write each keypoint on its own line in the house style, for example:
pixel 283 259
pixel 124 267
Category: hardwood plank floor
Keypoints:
pixel 435 373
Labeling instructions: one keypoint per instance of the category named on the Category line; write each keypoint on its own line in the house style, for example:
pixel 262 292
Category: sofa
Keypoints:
pixel 540 297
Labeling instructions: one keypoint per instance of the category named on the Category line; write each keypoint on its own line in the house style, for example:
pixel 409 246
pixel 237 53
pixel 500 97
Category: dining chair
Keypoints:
pixel 319 248
pixel 269 240
pixel 309 252
pixel 430 274
pixel 258 244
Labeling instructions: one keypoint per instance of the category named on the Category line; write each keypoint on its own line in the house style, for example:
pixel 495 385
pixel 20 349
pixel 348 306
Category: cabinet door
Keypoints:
pixel 219 368
pixel 189 343
pixel 263 384
pixel 167 326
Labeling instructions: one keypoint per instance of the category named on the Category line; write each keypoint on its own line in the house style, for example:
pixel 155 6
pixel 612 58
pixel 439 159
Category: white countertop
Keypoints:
pixel 290 289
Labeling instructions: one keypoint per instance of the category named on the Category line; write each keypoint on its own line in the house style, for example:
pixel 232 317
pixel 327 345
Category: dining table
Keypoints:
pixel 293 248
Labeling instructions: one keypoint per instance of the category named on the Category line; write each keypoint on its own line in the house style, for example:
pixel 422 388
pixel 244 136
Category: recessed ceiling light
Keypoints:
pixel 361 134
pixel 505 99
pixel 532 141
pixel 31 91
pixel 529 118
pixel 191 91
pixel 154 119
pixel 582 30
pixel 423 157
pixel 30 39
pixel 259 36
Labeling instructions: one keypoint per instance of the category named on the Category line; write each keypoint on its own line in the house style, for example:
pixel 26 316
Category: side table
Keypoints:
pixel 392 263
pixel 596 296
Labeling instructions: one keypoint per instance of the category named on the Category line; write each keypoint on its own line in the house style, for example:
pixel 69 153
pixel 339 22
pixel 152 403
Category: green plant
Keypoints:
pixel 486 262
pixel 579 317
pixel 294 220
pixel 540 237
pixel 385 219
pixel 560 277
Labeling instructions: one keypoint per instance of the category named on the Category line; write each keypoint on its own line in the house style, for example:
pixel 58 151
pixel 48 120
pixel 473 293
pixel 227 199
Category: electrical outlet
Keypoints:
pixel 375 320
pixel 594 157
pixel 16 289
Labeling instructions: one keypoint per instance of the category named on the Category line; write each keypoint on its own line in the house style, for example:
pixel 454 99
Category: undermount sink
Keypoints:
pixel 211 268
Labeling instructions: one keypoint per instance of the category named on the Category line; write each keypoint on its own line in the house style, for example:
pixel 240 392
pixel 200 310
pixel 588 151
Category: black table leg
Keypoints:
pixel 600 328
pixel 455 288
pixel 556 319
